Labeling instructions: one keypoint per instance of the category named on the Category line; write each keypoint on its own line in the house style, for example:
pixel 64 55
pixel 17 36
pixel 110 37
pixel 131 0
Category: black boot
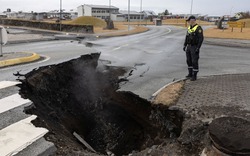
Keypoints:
pixel 190 73
pixel 194 77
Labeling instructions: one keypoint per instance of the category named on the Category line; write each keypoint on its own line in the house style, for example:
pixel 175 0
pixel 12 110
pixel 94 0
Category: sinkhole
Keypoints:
pixel 81 97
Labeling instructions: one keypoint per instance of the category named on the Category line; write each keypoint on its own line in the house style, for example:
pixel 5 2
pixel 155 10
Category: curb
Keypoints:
pixel 227 44
pixel 20 60
pixel 119 35
pixel 30 41
pixel 158 91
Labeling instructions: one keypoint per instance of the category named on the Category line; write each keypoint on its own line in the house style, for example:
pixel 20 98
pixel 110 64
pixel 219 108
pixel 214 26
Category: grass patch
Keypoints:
pixel 247 22
pixel 177 22
pixel 136 30
pixel 87 20
pixel 227 34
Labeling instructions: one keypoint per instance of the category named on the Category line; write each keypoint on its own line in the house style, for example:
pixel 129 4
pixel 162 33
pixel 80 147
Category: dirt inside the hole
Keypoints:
pixel 80 96
pixel 231 135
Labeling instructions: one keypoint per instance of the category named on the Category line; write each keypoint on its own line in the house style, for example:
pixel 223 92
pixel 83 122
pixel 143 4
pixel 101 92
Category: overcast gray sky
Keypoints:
pixel 211 7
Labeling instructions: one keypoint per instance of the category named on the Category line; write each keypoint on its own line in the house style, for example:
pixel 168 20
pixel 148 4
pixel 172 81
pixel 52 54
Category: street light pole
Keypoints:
pixel 231 11
pixel 60 20
pixel 1 42
pixel 191 11
pixel 140 12
pixel 109 9
pixel 128 15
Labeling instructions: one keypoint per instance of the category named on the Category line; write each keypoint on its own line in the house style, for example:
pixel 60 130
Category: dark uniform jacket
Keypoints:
pixel 194 38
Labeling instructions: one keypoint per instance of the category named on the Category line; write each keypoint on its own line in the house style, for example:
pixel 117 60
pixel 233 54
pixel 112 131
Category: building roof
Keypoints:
pixel 2 14
pixel 149 13
pixel 101 6
pixel 131 12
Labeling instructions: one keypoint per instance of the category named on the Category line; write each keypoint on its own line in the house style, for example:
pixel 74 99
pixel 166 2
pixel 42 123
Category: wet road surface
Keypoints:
pixel 156 57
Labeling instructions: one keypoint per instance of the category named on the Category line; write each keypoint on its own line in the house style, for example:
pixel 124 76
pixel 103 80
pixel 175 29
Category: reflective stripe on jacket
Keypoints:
pixel 193 29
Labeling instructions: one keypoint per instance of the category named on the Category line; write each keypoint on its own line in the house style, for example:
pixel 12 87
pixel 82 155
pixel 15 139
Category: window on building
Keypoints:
pixel 93 11
pixel 98 11
pixel 103 11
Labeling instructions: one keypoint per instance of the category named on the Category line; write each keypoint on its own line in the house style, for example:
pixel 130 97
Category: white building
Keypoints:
pixel 123 16
pixel 73 14
pixel 239 15
pixel 3 15
pixel 149 14
pixel 99 11
pixel 55 14
pixel 27 15
pixel 212 18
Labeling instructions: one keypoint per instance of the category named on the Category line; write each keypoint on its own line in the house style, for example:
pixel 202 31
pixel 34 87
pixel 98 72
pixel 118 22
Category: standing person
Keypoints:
pixel 192 45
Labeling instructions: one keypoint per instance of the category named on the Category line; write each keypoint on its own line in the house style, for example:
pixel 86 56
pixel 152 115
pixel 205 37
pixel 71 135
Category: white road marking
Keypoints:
pixel 6 84
pixel 169 31
pixel 11 102
pixel 18 136
pixel 47 58
pixel 116 48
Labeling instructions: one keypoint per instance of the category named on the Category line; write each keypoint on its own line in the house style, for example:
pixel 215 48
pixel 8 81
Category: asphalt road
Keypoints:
pixel 53 52
pixel 155 56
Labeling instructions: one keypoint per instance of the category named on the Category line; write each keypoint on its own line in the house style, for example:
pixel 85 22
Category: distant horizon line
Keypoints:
pixel 75 10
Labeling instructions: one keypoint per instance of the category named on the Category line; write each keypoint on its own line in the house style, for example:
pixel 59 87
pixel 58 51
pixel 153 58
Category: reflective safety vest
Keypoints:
pixel 190 31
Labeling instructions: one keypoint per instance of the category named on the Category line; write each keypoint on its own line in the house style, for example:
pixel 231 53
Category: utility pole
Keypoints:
pixel 128 15
pixel 109 9
pixel 191 11
pixel 231 11
pixel 1 42
pixel 140 12
pixel 60 20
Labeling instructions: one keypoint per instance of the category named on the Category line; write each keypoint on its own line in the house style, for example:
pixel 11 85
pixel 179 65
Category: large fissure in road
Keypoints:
pixel 80 97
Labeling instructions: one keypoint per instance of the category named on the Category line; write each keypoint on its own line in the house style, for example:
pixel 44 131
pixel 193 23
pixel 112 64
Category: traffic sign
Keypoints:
pixel 3 37
pixel 240 25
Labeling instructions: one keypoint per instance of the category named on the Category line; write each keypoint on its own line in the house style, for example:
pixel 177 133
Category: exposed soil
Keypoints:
pixel 225 135
pixel 169 95
pixel 81 96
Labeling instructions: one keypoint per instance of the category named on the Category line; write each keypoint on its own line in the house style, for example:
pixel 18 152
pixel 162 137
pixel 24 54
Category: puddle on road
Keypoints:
pixel 80 96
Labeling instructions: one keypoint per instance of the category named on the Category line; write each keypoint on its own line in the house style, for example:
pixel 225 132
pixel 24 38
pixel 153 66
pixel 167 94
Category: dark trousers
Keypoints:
pixel 192 58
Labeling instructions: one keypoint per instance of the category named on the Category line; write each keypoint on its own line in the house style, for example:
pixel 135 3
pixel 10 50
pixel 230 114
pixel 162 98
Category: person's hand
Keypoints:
pixel 184 48
pixel 197 51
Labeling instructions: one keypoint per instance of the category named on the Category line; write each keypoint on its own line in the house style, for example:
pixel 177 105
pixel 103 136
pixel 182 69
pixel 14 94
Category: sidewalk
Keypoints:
pixel 215 96
pixel 26 38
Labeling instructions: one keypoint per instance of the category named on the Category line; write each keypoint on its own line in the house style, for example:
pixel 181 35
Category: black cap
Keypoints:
pixel 191 17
